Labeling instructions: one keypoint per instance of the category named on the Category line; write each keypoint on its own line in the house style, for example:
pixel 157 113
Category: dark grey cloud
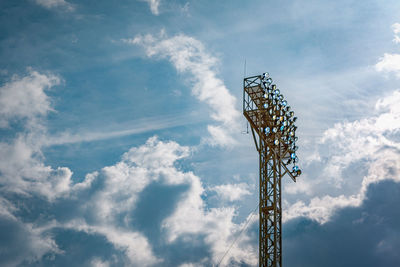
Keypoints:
pixel 368 235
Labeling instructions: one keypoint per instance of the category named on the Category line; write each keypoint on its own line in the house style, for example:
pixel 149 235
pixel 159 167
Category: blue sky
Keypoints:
pixel 122 141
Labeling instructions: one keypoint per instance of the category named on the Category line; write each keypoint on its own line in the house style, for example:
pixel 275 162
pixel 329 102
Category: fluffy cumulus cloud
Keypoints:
pixel 154 162
pixel 232 192
pixel 109 203
pixel 25 97
pixel 351 156
pixel 191 219
pixel 21 242
pixel 24 104
pixel 24 174
pixel 96 262
pixel 369 146
pixel 391 62
pixel 189 55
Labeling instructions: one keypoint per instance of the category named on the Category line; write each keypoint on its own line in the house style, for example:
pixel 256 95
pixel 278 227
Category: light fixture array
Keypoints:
pixel 280 122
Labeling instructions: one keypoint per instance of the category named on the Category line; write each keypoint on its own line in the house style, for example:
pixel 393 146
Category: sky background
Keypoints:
pixel 122 140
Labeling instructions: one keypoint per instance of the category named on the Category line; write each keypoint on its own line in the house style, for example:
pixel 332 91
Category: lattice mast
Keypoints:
pixel 273 129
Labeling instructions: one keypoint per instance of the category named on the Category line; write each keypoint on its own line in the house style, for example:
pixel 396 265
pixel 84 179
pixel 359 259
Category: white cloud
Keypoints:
pixel 351 156
pixel 53 4
pixel 192 218
pixel 142 125
pixel 391 62
pixel 189 55
pixel 96 262
pixel 189 265
pixel 24 242
pixel 25 97
pixel 134 244
pixel 111 204
pixel 232 192
pixel 373 143
pixel 138 168
pixel 396 31
pixel 155 161
pixel 154 4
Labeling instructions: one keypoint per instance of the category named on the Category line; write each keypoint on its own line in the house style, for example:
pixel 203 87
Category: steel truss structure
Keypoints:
pixel 273 130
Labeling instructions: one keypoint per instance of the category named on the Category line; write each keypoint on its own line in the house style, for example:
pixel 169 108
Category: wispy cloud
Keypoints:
pixel 56 4
pixel 154 4
pixel 189 55
pixel 140 126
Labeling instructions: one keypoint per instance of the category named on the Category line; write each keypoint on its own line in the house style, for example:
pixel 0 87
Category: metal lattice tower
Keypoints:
pixel 273 130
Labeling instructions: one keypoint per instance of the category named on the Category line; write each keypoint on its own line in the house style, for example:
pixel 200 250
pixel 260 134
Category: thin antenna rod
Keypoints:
pixel 244 77
pixel 244 71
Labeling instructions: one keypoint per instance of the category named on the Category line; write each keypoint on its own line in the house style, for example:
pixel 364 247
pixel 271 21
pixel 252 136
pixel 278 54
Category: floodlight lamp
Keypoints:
pixel 276 142
pixel 276 92
pixel 273 87
pixel 265 75
pixel 295 168
pixel 282 128
pixel 293 155
pixel 266 130
pixel 291 113
pixel 284 102
pixel 294 119
pixel 265 95
pixel 274 129
pixel 265 105
pixel 269 80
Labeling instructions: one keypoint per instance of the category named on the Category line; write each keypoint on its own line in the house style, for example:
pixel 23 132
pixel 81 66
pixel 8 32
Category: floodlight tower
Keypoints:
pixel 273 129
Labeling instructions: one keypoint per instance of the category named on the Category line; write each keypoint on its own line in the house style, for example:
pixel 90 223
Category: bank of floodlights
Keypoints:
pixel 280 127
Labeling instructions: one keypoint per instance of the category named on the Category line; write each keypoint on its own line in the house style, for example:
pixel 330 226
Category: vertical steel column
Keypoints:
pixel 269 211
